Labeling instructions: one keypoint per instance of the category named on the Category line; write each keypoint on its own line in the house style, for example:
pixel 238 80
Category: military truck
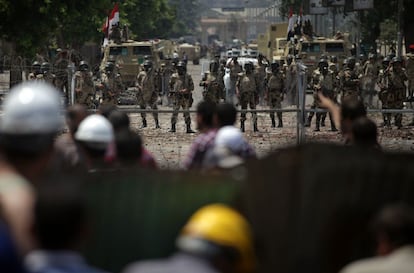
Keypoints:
pixel 129 56
pixel 311 50
pixel 270 42
pixel 192 52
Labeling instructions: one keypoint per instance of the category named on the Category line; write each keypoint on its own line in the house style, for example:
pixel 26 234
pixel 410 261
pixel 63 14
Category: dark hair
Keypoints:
pixel 59 214
pixel 106 109
pixel 226 114
pixel 396 222
pixel 128 146
pixel 352 109
pixel 364 132
pixel 206 110
pixel 119 120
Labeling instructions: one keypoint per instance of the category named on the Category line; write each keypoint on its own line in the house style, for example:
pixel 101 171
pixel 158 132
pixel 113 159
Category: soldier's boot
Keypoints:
pixel 318 121
pixel 255 129
pixel 273 122
pixel 308 121
pixel 323 121
pixel 172 130
pixel 157 124
pixel 279 117
pixel 333 127
pixel 144 123
pixel 189 131
pixel 242 126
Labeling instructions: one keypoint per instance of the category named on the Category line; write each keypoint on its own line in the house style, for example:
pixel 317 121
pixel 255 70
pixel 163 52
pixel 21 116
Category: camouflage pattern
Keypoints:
pixel 235 70
pixel 291 83
pixel 370 77
pixel 84 88
pixel 213 87
pixel 275 87
pixel 181 87
pixel 112 87
pixel 409 68
pixel 147 93
pixel 247 86
pixel 349 84
pixel 261 76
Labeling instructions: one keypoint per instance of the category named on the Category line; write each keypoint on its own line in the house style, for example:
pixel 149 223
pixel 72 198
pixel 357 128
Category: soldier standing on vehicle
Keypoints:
pixel 213 85
pixel 235 69
pixel 181 87
pixel 147 94
pixel 84 86
pixel 111 84
pixel 396 78
pixel 246 89
pixel 409 68
pixel 370 74
pixel 349 81
pixel 275 87
pixel 323 80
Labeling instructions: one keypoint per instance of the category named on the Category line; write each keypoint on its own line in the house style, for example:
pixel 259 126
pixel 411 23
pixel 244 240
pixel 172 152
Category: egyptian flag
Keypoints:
pixel 111 20
pixel 291 25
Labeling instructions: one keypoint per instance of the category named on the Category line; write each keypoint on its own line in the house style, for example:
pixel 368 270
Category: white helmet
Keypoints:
pixel 231 138
pixel 96 129
pixel 32 108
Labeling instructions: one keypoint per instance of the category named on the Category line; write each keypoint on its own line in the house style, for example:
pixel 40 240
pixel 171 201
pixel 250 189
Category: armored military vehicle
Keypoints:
pixel 192 52
pixel 129 56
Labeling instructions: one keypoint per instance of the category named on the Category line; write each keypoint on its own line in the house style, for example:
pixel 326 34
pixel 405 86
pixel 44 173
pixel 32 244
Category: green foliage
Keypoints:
pixel 34 26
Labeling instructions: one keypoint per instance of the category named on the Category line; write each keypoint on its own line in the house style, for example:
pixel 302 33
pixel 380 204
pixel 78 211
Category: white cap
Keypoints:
pixel 95 128
pixel 32 108
pixel 231 138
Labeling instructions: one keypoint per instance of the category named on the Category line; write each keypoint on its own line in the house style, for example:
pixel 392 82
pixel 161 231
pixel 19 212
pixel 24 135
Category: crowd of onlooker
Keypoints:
pixel 42 222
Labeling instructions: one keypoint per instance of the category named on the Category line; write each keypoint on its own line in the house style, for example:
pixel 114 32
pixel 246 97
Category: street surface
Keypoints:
pixel 170 148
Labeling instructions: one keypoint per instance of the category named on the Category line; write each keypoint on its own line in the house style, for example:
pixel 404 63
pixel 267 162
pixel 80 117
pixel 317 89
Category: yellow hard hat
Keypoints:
pixel 226 227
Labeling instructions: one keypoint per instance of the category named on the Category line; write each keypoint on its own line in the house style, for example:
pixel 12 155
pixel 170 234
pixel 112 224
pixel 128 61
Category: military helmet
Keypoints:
pixel 214 65
pixel 334 59
pixel 109 66
pixel 147 64
pixel 45 67
pixel 248 66
pixel 274 66
pixel 181 65
pixel 36 64
pixel 83 66
pixel 396 60
pixel 386 60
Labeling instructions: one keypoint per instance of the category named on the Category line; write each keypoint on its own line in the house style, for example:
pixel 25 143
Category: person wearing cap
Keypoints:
pixel 31 119
pixel 84 86
pixel 349 80
pixel 95 137
pixel 216 239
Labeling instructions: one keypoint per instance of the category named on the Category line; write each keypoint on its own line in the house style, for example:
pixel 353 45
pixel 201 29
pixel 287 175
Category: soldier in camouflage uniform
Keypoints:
pixel 395 79
pixel 262 64
pixel 61 71
pixel 84 86
pixel 246 89
pixel 147 93
pixel 409 68
pixel 291 80
pixel 112 85
pixel 349 81
pixel 323 80
pixel 48 76
pixel 213 85
pixel 275 87
pixel 235 69
pixel 36 73
pixel 383 86
pixel 370 74
pixel 181 87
